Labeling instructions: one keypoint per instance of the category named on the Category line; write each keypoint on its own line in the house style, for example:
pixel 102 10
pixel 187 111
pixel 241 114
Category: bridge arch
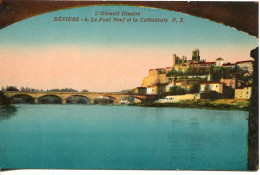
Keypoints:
pixel 105 100
pixel 138 99
pixel 130 99
pixel 22 98
pixel 78 99
pixel 50 99
pixel 109 96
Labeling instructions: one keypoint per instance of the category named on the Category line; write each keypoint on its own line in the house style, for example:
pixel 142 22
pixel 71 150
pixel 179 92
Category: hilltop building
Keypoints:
pixel 196 55
pixel 155 76
pixel 180 64
pixel 229 65
pixel 202 64
pixel 246 65
pixel 219 62
pixel 157 82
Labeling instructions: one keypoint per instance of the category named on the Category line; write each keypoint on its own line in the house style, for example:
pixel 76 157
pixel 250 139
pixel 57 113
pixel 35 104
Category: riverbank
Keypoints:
pixel 221 104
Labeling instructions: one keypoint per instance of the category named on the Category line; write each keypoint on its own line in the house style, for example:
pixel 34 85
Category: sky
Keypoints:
pixel 109 56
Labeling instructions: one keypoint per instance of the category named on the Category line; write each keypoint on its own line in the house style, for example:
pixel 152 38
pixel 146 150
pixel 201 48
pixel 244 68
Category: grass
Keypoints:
pixel 221 104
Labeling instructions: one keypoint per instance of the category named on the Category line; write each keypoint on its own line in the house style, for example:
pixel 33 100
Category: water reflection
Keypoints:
pixel 7 111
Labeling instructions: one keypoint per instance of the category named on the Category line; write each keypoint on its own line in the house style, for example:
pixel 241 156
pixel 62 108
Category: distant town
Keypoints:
pixel 198 79
pixel 186 80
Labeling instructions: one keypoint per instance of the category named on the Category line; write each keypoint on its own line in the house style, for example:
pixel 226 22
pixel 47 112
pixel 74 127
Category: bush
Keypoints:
pixel 211 95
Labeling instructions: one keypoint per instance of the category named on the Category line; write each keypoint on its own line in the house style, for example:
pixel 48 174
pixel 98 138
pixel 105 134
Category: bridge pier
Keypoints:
pixel 117 101
pixel 91 101
pixel 36 101
pixel 63 101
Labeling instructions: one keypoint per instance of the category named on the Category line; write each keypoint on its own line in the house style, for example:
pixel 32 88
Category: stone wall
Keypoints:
pixel 154 78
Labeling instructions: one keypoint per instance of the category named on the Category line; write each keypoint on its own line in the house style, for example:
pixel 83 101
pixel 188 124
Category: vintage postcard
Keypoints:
pixel 129 85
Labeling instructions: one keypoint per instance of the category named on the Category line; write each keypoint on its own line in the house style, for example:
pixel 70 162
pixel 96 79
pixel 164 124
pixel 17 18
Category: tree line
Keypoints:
pixel 28 89
pixel 216 73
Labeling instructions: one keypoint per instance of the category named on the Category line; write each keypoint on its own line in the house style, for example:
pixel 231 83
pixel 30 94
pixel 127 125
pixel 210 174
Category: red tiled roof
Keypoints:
pixel 168 67
pixel 204 63
pixel 244 61
pixel 212 82
pixel 228 64
pixel 245 86
pixel 207 63
pixel 159 69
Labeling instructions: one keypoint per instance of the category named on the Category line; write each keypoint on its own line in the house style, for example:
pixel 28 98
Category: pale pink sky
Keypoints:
pixel 96 68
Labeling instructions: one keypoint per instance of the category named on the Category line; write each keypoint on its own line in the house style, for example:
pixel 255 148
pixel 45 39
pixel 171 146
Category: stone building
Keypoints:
pixel 202 64
pixel 180 64
pixel 140 90
pixel 233 82
pixel 246 65
pixel 219 62
pixel 244 92
pixel 155 76
pixel 196 55
pixel 211 86
pixel 229 65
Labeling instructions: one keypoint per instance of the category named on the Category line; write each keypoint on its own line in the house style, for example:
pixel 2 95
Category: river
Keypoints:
pixel 122 137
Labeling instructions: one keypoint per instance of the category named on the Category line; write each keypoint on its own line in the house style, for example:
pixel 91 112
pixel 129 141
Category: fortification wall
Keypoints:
pixel 150 80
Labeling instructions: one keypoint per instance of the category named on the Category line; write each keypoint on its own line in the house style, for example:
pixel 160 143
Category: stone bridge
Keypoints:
pixel 65 95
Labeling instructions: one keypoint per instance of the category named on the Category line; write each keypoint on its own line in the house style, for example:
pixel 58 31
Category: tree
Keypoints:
pixel 12 88
pixel 219 59
pixel 175 73
pixel 176 90
pixel 217 73
pixel 187 72
pixel 195 88
pixel 85 90
pixel 68 90
pixel 63 90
